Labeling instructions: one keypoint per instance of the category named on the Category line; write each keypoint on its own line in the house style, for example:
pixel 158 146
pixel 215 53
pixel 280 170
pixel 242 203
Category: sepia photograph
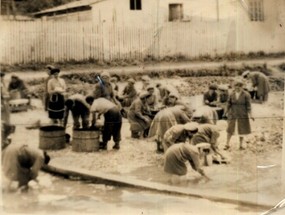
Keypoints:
pixel 142 107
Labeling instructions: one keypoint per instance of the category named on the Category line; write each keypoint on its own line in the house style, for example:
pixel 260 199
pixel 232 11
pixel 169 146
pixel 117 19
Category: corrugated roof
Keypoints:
pixel 70 5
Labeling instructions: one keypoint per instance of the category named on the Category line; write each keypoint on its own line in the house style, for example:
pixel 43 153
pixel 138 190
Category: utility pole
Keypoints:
pixel 283 149
pixel 218 10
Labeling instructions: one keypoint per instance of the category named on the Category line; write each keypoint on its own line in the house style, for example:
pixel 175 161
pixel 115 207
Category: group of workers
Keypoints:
pixel 181 133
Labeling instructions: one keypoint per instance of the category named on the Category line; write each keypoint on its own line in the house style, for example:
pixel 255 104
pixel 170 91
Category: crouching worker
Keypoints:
pixel 179 133
pixel 139 116
pixel 112 121
pixel 22 163
pixel 175 161
pixel 79 106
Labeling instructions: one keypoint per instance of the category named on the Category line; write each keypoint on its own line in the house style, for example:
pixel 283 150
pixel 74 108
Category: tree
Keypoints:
pixel 26 7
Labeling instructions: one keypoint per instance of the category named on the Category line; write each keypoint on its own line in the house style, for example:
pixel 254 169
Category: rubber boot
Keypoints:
pixel 103 146
pixel 159 148
pixel 116 146
pixel 135 134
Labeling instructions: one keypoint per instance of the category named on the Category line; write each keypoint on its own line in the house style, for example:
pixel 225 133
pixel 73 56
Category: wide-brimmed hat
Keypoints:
pixel 191 126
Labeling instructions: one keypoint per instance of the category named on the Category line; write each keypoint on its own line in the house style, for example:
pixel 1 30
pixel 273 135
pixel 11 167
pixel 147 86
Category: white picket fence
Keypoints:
pixel 41 42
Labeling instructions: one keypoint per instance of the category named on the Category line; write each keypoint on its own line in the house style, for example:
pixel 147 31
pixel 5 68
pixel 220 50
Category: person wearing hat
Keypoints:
pixel 112 121
pixel 129 93
pixel 175 161
pixel 179 133
pixel 139 116
pixel 208 133
pixel 238 114
pixel 210 97
pixel 17 88
pixel 114 82
pixel 56 89
pixel 22 163
pixel 145 81
pixel 260 82
pixel 205 114
pixel 79 105
pixel 152 100
pixel 165 119
pixel 173 100
pixel 104 89
pixel 223 96
pixel 5 96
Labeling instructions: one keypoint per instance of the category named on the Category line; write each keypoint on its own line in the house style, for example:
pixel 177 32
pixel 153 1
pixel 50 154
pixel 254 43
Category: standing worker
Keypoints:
pixel 56 90
pixel 238 114
pixel 260 81
pixel 112 121
pixel 104 89
pixel 22 163
pixel 46 95
pixel 79 106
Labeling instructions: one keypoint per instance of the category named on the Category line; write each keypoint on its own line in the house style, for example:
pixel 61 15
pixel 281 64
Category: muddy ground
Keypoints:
pixel 244 175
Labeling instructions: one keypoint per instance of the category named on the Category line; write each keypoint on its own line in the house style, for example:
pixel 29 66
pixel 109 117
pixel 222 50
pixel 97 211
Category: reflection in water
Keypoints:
pixel 58 195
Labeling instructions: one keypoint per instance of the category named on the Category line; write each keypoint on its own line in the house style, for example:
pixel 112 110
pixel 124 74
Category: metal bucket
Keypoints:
pixel 85 140
pixel 52 137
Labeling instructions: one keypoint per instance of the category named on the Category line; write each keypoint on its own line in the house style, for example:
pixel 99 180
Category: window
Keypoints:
pixel 256 10
pixel 175 12
pixel 135 4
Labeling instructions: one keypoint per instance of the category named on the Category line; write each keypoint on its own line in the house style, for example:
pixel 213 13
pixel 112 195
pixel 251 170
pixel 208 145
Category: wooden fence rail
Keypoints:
pixel 41 42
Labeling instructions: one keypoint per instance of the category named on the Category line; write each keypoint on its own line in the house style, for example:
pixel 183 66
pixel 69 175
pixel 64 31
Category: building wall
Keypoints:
pixel 119 13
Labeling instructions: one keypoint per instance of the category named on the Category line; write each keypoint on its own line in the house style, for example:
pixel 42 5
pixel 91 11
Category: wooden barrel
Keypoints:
pixel 52 137
pixel 85 140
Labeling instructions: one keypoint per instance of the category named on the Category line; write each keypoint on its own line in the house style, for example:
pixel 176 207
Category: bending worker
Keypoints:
pixel 112 121
pixel 176 158
pixel 22 163
pixel 79 106
pixel 179 133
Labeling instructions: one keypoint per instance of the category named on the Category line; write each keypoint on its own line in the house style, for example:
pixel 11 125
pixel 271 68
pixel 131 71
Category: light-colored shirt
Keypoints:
pixel 56 85
pixel 102 105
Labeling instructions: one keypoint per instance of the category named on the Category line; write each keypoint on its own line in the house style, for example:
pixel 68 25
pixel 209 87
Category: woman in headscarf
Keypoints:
pixel 56 89
pixel 139 116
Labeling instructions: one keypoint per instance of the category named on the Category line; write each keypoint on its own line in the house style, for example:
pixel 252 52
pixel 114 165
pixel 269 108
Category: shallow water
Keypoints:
pixel 61 196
